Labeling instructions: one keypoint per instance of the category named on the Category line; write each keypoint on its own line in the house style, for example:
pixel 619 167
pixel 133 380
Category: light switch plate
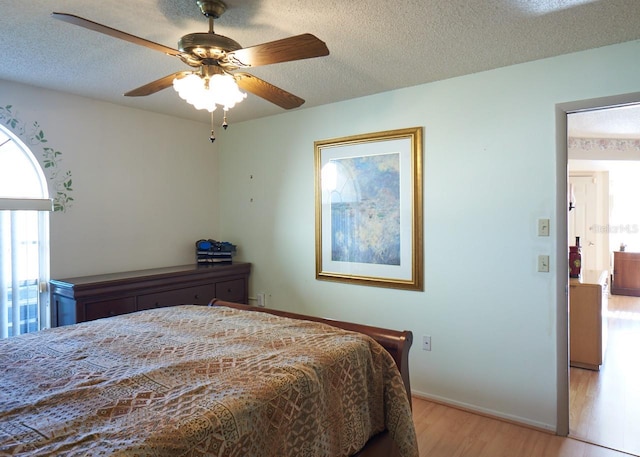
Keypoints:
pixel 543 263
pixel 543 227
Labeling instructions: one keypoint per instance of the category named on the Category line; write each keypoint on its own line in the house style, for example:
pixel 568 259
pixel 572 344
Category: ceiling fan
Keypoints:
pixel 212 56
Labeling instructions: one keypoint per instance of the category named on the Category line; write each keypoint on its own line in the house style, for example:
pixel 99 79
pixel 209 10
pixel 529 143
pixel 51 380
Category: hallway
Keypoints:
pixel 605 405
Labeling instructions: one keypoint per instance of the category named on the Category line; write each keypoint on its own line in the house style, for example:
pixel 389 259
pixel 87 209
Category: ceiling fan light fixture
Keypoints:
pixel 208 92
pixel 216 57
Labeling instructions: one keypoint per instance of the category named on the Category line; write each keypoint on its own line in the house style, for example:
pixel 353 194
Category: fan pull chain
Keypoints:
pixel 225 126
pixel 212 138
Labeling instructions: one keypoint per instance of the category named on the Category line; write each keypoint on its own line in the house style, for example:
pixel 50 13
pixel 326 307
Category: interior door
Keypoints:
pixel 583 219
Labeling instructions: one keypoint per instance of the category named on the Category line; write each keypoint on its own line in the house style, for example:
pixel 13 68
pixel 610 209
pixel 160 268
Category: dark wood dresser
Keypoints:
pixel 92 297
pixel 626 273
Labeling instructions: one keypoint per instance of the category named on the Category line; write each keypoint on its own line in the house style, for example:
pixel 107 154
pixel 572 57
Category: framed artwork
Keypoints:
pixel 368 192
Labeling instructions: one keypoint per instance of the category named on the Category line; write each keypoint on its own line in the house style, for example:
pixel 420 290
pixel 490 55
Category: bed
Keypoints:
pixel 219 380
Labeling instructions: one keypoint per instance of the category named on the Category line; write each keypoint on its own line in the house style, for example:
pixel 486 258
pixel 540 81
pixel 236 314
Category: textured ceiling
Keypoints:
pixel 618 122
pixel 375 45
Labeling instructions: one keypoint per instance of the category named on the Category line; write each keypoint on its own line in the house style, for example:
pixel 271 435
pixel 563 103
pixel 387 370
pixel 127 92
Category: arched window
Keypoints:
pixel 24 239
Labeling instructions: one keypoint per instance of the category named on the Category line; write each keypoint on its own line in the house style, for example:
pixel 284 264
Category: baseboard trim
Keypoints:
pixel 489 413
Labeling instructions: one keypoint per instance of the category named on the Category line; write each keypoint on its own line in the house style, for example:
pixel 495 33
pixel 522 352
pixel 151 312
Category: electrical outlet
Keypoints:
pixel 260 300
pixel 426 343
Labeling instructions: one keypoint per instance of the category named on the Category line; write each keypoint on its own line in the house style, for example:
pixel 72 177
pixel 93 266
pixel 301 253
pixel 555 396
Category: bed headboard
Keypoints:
pixel 396 342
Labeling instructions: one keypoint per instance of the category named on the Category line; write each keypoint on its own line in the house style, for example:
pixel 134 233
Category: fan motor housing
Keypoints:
pixel 207 45
pixel 211 8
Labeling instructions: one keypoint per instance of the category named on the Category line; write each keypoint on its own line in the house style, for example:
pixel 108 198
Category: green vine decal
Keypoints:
pixel 33 135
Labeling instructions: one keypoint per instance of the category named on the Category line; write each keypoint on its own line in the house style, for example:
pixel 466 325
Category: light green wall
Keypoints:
pixel 490 173
pixel 143 184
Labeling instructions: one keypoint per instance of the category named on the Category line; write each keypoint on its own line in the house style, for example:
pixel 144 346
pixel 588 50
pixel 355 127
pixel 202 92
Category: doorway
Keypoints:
pixel 588 218
pixel 602 403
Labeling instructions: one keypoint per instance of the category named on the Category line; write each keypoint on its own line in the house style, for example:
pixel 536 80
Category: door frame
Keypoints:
pixel 562 243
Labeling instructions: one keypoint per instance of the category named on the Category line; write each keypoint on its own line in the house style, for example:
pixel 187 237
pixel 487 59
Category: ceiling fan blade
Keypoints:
pixel 86 23
pixel 157 85
pixel 269 92
pixel 296 47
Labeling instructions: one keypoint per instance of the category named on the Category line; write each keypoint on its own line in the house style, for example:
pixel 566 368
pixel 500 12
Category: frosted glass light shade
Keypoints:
pixel 221 90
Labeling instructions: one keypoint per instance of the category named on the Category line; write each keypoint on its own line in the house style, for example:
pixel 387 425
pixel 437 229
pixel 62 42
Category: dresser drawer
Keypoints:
pixel 233 290
pixel 108 308
pixel 92 297
pixel 198 295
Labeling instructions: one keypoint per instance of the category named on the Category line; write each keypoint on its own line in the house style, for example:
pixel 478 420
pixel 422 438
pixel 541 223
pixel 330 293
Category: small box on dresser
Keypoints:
pixel 92 297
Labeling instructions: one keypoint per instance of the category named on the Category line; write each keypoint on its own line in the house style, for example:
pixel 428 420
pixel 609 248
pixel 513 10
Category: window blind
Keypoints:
pixel 22 255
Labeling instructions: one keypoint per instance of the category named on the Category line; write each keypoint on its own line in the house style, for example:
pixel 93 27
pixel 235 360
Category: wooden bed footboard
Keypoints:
pixel 396 342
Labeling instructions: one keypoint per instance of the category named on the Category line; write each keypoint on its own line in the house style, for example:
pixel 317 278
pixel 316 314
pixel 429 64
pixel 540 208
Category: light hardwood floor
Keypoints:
pixel 604 416
pixel 605 405
pixel 448 432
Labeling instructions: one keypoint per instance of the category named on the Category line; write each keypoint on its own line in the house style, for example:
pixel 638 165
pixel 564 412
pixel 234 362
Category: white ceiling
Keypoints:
pixel 617 122
pixel 375 45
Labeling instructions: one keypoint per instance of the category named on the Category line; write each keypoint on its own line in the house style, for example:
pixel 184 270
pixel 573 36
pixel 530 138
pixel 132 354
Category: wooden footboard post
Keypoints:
pixel 403 345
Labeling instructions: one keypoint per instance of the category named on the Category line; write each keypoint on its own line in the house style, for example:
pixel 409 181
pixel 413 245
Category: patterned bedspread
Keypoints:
pixel 198 381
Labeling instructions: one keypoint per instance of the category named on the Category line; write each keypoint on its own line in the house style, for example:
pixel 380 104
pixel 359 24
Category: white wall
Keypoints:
pixel 144 185
pixel 490 173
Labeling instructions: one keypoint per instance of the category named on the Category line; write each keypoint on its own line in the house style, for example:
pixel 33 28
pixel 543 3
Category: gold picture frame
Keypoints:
pixel 368 191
